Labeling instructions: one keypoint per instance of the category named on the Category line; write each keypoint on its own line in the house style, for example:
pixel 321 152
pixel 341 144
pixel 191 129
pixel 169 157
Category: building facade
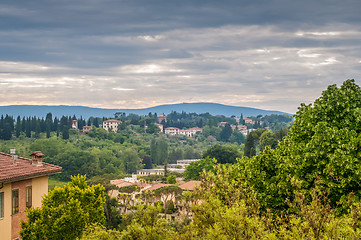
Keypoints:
pixel 111 125
pixel 23 182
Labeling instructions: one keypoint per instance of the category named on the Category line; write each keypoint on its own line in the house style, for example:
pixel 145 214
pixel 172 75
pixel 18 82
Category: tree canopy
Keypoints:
pixel 223 153
pixel 65 212
pixel 323 146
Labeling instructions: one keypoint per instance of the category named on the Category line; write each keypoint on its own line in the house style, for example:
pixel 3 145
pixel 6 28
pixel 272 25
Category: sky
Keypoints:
pixel 267 54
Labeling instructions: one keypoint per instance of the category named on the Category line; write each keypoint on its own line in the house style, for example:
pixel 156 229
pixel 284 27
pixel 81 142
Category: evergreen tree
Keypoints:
pixel 18 127
pixel 23 125
pixel 226 133
pixel 55 126
pixel 96 123
pixel 65 132
pixel 28 127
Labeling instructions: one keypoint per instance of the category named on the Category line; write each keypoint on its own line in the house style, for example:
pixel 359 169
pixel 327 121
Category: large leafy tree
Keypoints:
pixel 194 169
pixel 324 143
pixel 323 147
pixel 223 153
pixel 66 212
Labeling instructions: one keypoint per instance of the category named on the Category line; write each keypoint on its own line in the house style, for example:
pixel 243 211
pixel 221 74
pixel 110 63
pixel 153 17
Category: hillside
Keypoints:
pixel 86 112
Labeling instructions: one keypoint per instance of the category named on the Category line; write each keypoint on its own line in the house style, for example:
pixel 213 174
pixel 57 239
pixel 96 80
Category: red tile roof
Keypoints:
pixel 112 120
pixel 24 169
pixel 158 185
pixel 190 185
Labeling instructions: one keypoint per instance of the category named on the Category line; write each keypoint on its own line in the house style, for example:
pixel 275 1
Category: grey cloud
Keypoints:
pixel 266 54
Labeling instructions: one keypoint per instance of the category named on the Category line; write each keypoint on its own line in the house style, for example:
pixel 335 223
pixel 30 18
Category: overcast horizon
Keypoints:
pixel 268 54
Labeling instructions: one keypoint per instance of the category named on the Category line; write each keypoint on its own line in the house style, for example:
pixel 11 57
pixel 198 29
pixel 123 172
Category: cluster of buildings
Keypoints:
pixel 113 124
pixel 179 167
pixel 190 132
pixel 23 182
pixel 145 193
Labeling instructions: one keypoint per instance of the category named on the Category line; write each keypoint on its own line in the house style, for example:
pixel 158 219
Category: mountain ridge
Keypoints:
pixel 86 112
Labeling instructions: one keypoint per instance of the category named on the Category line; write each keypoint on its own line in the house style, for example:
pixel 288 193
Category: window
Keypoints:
pixel 15 201
pixel 28 196
pixel 1 204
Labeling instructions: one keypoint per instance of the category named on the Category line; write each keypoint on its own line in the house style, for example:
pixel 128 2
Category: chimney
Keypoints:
pixel 15 157
pixel 37 158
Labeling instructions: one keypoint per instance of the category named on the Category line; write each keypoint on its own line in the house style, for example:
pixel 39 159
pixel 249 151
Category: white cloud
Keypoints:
pixel 151 38
pixel 123 89
pixel 151 68
pixel 321 34
pixel 303 53
pixel 7 66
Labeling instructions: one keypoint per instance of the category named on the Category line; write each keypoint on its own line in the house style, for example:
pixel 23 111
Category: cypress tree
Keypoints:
pixel 18 127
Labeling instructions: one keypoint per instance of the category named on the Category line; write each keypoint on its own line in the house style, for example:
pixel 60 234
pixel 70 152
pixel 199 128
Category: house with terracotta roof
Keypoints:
pixel 248 120
pixel 23 182
pixel 87 128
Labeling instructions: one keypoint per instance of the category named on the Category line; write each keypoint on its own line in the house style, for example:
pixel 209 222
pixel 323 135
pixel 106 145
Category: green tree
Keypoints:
pixel 171 179
pixel 18 127
pixel 223 153
pixel 66 212
pixel 147 161
pixel 148 225
pixel 65 132
pixel 322 146
pixel 194 169
pixel 131 160
pixel 152 128
pixel 226 133
pixel 97 232
pixel 324 143
pixel 267 138
pixel 168 193
pixel 251 144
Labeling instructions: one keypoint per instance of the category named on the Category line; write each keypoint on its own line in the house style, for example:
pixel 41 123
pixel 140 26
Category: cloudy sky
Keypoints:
pixel 268 54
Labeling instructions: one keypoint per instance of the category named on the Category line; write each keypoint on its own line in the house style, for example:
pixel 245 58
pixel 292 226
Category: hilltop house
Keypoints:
pixel 23 182
pixel 248 120
pixel 187 132
pixel 171 131
pixel 111 124
pixel 162 118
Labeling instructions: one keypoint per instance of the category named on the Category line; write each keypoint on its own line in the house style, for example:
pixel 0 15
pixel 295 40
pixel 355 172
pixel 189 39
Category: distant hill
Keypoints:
pixel 86 112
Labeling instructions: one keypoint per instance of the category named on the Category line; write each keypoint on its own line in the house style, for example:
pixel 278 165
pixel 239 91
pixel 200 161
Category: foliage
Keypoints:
pixel 252 141
pixel 171 179
pixel 129 189
pixel 324 143
pixel 226 133
pixel 267 138
pixel 112 212
pixel 194 169
pixel 147 224
pixel 99 232
pixel 168 193
pixel 223 153
pixel 65 212
pixel 147 161
pixel 154 178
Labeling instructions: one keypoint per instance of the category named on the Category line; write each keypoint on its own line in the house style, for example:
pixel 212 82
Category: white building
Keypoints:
pixel 172 131
pixel 111 124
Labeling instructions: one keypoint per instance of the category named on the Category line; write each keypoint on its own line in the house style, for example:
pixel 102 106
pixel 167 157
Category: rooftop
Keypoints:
pixel 190 185
pixel 23 169
pixel 112 120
